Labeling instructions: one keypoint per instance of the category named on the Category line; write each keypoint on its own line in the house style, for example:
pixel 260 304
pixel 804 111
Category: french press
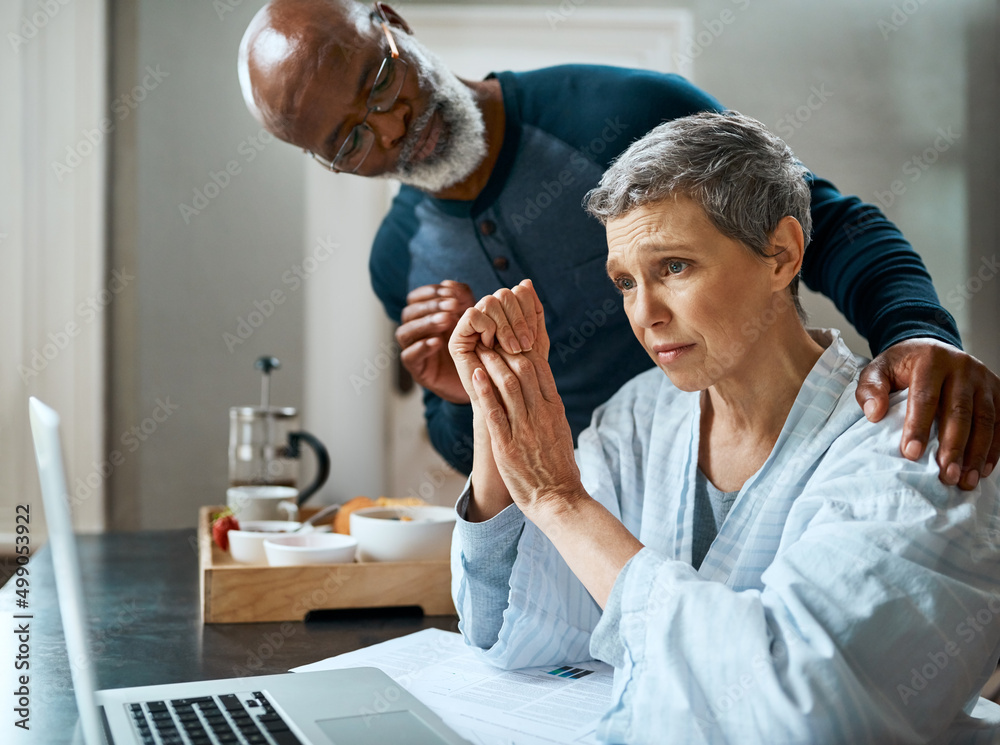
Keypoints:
pixel 265 442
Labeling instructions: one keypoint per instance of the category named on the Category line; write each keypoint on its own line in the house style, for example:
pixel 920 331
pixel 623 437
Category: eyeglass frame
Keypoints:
pixel 392 58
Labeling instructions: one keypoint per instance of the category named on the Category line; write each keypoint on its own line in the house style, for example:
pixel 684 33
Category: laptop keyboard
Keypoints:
pixel 231 719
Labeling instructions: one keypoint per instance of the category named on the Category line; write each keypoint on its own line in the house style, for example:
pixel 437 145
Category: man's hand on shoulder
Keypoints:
pixel 430 315
pixel 945 384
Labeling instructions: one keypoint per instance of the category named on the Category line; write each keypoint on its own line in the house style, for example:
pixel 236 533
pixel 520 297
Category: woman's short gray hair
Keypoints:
pixel 745 178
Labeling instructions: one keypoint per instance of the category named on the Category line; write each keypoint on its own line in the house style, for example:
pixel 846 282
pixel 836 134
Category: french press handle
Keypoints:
pixel 293 450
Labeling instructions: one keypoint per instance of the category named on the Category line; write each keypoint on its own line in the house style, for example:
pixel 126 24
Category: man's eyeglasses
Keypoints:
pixel 384 92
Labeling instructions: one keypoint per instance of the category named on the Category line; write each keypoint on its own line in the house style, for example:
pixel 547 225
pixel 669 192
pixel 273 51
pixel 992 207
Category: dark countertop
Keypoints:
pixel 145 628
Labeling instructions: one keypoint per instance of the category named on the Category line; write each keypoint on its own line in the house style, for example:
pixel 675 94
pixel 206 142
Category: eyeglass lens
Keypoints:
pixel 384 92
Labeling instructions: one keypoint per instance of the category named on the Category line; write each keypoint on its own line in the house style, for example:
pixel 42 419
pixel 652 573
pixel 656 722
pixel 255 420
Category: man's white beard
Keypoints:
pixel 461 145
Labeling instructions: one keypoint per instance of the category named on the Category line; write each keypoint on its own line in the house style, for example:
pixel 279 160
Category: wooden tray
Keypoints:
pixel 243 593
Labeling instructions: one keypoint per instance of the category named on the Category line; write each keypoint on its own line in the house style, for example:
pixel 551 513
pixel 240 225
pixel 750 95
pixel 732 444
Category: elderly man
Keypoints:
pixel 756 559
pixel 493 174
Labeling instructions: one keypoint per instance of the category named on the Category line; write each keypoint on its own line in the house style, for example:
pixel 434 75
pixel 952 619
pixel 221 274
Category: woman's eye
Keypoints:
pixel 676 267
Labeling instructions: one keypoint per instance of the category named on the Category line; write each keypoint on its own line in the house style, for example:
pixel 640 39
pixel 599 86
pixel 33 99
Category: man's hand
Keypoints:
pixel 430 315
pixel 945 384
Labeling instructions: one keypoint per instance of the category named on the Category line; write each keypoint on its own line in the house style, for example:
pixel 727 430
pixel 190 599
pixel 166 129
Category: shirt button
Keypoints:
pixel 500 262
pixel 487 227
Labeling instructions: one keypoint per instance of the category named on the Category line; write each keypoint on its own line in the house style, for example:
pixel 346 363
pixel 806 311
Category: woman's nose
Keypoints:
pixel 648 309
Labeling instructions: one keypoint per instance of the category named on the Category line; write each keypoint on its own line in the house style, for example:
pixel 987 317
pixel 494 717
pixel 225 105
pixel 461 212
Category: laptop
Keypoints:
pixel 357 706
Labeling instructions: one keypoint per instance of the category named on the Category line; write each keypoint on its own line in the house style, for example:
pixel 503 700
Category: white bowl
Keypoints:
pixel 309 548
pixel 246 545
pixel 424 533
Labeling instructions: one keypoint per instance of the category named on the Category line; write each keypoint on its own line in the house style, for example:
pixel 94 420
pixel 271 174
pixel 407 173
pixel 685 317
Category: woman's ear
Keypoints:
pixel 787 249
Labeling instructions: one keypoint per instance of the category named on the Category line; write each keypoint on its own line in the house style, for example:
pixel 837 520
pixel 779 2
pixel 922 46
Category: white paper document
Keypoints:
pixel 484 704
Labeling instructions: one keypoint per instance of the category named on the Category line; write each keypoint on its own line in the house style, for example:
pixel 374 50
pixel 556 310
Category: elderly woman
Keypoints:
pixel 756 559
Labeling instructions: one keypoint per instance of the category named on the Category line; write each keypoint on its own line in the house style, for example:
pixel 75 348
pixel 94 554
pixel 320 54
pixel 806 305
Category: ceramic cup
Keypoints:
pixel 262 502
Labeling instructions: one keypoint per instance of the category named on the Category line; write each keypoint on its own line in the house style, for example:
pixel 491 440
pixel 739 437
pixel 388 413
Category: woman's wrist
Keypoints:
pixel 559 508
pixel 489 492
pixel 591 540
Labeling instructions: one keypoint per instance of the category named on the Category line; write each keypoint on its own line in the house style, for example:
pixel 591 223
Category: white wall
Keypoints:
pixel 893 82
pixel 197 275
pixel 53 279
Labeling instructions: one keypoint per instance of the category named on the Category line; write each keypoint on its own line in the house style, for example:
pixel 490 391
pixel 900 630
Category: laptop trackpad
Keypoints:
pixel 399 727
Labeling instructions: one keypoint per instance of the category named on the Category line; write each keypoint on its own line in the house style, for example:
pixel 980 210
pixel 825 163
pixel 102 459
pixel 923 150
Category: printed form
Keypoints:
pixel 483 704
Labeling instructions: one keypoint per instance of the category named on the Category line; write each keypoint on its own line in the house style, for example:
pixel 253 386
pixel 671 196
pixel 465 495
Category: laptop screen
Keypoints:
pixel 62 543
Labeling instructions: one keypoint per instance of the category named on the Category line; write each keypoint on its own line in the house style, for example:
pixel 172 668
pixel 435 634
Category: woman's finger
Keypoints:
pixel 506 383
pixel 474 327
pixel 492 410
pixel 523 368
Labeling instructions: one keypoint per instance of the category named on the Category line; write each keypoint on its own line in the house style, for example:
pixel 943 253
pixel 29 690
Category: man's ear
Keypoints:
pixel 787 249
pixel 394 18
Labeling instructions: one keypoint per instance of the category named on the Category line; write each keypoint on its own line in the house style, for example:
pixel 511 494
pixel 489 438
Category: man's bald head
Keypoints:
pixel 308 69
pixel 286 44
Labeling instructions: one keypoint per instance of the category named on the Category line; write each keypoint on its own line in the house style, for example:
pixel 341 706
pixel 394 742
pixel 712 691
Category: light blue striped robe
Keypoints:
pixel 849 597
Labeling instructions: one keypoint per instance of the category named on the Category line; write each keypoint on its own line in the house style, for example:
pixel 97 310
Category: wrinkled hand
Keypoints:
pixel 430 316
pixel 530 436
pixel 945 384
pixel 511 320
pixel 501 349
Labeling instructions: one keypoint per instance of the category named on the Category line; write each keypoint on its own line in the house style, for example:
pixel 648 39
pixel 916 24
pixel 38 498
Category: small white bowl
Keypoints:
pixel 383 536
pixel 309 548
pixel 246 545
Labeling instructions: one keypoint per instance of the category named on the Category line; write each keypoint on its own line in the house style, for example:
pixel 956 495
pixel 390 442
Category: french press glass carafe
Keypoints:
pixel 265 442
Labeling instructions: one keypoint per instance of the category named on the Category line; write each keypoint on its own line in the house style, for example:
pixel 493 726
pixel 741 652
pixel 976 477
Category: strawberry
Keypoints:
pixel 223 523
